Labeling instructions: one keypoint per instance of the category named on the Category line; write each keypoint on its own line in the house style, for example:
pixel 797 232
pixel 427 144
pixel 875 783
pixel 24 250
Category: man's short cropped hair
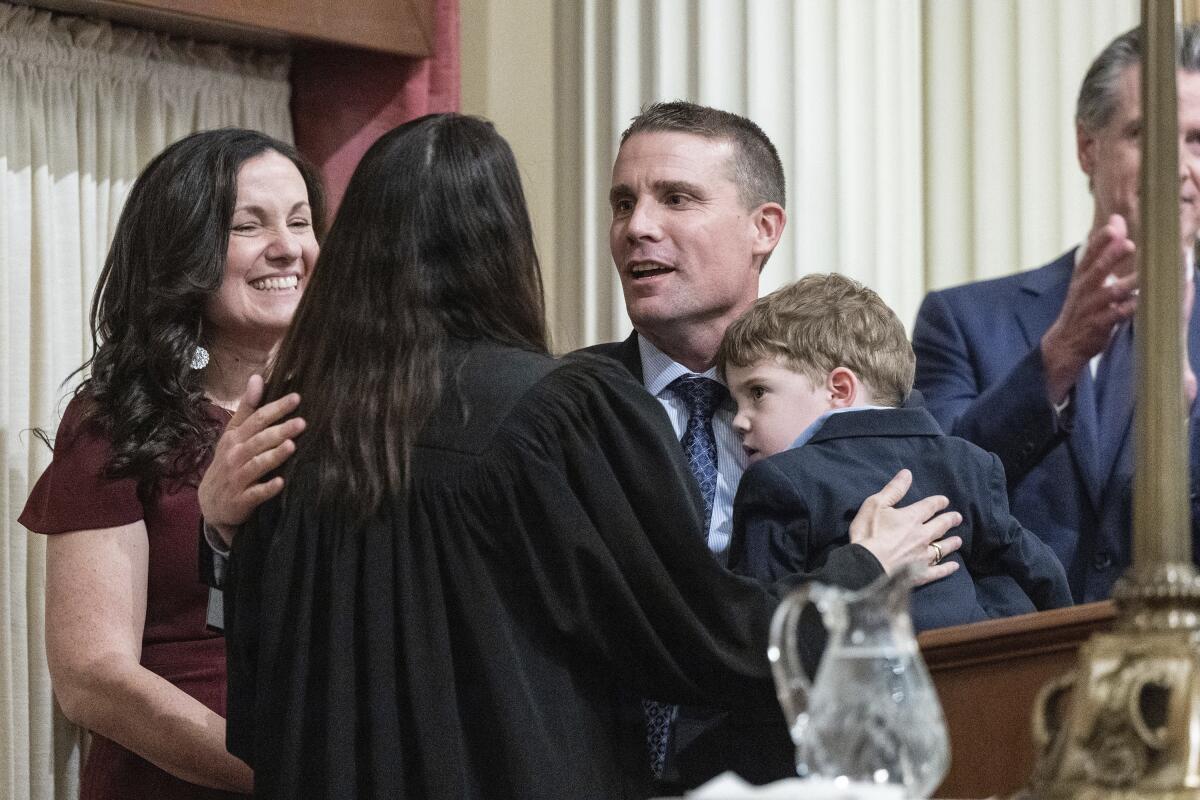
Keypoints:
pixel 1098 95
pixel 757 170
pixel 822 322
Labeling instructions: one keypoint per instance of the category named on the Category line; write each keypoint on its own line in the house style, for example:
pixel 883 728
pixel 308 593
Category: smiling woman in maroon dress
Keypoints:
pixel 212 252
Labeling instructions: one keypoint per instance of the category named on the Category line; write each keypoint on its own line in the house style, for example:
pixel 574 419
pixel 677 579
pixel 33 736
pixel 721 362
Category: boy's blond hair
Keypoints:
pixel 822 322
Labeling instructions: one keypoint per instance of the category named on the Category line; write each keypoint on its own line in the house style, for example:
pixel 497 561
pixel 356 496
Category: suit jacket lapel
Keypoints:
pixel 629 355
pixel 1046 291
pixel 1084 440
pixel 1122 463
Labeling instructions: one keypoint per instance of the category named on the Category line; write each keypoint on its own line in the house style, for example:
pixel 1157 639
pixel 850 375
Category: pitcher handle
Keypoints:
pixel 792 685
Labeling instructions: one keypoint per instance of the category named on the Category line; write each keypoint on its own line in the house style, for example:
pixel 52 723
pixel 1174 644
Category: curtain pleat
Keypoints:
pixel 83 106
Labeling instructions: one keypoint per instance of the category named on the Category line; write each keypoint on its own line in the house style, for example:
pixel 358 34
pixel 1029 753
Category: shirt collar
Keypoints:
pixel 659 370
pixel 811 430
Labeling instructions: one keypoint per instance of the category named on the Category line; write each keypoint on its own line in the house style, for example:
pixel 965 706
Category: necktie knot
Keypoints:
pixel 702 396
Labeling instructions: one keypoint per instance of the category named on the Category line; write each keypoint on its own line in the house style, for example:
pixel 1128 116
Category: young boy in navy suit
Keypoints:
pixel 819 370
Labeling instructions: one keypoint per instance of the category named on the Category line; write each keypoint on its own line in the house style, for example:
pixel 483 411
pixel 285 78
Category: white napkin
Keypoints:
pixel 729 786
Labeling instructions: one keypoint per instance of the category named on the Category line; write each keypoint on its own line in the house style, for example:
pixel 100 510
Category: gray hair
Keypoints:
pixel 1098 95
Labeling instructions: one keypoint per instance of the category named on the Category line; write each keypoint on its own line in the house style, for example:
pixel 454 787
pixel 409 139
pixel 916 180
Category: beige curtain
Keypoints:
pixel 83 106
pixel 926 142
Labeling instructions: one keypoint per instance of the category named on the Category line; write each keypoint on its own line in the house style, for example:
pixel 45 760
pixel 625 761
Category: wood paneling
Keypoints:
pixel 987 675
pixel 399 27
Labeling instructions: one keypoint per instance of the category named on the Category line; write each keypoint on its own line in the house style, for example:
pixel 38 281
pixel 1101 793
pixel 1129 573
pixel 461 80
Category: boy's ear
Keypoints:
pixel 843 387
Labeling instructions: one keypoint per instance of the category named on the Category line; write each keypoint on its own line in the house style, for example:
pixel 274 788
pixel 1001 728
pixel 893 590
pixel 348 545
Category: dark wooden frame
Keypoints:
pixel 987 676
pixel 397 27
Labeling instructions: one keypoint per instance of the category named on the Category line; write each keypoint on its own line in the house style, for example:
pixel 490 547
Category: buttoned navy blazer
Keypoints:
pixel 794 508
pixel 979 366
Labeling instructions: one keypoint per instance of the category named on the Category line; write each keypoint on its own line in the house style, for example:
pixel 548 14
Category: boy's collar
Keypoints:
pixel 808 432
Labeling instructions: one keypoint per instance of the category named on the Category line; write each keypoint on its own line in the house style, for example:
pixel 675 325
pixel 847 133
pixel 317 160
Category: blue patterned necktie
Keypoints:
pixel 702 396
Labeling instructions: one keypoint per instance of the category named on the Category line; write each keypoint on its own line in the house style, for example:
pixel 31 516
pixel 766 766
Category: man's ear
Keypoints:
pixel 843 387
pixel 1085 150
pixel 769 221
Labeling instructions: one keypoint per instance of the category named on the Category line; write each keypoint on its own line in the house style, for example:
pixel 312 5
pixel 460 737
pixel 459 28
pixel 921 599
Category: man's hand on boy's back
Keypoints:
pixel 915 533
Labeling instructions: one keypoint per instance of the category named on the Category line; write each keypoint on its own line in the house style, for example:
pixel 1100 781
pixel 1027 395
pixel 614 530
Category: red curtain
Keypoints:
pixel 343 100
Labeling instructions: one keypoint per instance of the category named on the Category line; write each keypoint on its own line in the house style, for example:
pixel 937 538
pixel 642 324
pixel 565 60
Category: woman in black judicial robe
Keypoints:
pixel 482 556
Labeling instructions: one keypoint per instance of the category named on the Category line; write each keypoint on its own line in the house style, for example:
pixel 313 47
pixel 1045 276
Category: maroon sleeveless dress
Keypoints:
pixel 72 495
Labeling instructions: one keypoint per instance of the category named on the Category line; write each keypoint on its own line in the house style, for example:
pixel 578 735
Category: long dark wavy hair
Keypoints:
pixel 166 259
pixel 432 244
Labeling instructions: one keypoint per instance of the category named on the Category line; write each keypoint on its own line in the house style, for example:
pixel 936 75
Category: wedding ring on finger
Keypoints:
pixel 937 554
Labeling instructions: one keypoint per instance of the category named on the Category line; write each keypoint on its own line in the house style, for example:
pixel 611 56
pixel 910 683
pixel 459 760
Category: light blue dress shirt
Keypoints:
pixel 658 371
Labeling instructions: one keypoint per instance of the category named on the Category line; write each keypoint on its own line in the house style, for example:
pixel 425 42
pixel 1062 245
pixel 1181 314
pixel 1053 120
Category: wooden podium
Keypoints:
pixel 987 675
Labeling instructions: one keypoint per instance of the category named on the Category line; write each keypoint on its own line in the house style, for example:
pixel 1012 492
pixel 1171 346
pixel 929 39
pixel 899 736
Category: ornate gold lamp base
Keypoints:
pixel 1126 723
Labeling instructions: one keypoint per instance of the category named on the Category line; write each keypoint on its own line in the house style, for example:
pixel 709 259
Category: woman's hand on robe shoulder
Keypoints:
pixel 915 533
pixel 254 443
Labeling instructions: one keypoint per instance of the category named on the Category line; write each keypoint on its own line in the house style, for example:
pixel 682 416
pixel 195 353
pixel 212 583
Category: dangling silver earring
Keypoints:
pixel 199 357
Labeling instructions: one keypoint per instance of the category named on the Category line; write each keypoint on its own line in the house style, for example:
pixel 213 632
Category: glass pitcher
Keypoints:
pixel 872 714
